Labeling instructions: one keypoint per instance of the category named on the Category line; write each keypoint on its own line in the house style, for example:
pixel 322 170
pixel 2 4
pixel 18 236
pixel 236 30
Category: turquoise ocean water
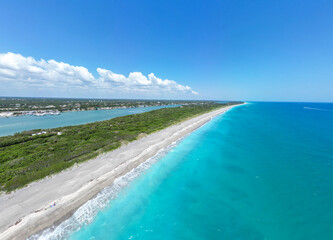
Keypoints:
pixel 13 125
pixel 260 171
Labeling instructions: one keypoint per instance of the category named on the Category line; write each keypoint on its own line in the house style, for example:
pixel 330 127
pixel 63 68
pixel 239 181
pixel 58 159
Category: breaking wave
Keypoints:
pixel 85 214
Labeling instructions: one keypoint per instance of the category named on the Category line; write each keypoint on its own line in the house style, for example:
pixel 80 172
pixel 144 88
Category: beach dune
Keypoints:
pixel 48 202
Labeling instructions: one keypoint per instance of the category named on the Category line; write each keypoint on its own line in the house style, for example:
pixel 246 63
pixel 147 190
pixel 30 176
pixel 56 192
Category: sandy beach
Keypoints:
pixel 28 210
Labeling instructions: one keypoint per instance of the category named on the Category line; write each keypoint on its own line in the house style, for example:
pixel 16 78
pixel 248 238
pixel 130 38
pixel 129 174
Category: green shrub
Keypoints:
pixel 25 158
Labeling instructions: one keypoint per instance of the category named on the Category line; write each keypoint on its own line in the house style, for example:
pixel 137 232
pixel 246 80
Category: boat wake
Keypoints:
pixel 319 109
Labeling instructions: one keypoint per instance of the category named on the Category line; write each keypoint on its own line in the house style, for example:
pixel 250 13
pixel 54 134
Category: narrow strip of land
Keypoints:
pixel 32 155
pixel 27 210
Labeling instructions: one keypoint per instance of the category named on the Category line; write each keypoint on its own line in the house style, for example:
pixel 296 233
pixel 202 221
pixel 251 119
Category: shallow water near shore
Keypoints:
pixel 259 171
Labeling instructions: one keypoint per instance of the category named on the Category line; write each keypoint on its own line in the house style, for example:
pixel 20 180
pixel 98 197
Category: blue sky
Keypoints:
pixel 228 49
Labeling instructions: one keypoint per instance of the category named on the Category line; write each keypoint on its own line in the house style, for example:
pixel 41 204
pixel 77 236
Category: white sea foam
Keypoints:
pixel 88 211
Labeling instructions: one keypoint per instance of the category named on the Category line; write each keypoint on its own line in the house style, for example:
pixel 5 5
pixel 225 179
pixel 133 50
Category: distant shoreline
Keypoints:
pixel 57 112
pixel 24 214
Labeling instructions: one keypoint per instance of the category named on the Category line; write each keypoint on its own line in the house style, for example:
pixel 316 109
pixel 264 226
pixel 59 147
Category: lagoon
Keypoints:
pixel 12 125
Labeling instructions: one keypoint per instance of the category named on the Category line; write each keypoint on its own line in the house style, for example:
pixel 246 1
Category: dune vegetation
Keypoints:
pixel 32 155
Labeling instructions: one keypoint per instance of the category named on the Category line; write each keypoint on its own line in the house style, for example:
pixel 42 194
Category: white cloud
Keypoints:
pixel 26 71
pixel 138 82
pixel 17 70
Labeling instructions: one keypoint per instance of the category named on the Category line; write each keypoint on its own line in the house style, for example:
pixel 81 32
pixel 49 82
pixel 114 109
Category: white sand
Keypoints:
pixel 27 210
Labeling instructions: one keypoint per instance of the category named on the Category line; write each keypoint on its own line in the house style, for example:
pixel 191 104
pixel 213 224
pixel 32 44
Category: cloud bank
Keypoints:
pixel 27 72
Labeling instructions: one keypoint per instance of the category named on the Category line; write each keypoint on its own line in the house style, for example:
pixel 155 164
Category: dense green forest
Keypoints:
pixel 32 155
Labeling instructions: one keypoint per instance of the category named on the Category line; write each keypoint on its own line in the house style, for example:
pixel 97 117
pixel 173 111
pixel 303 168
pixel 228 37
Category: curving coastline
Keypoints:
pixel 28 210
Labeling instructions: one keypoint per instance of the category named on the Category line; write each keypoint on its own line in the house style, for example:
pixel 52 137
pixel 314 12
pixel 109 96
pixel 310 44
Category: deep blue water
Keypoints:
pixel 13 125
pixel 260 171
